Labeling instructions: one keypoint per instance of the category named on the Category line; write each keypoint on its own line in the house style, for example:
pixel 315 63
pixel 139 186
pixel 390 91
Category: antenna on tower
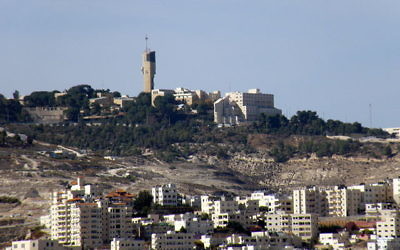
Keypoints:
pixel 146 38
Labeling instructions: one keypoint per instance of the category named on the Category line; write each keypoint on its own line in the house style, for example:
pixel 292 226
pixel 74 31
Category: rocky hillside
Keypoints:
pixel 31 172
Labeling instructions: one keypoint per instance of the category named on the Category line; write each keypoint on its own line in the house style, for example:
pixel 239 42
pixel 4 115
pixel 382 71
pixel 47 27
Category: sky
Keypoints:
pixel 340 58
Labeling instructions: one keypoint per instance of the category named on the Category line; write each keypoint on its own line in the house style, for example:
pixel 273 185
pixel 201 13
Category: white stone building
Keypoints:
pixel 327 201
pixel 172 241
pixel 40 244
pixel 127 244
pixel 310 200
pixel 194 226
pixel 261 240
pixel 165 195
pixel 396 190
pixel 334 240
pixel 384 244
pixel 239 107
pixel 382 192
pixel 272 203
pixel 389 226
pixel 376 209
pixel 81 218
pixel 304 226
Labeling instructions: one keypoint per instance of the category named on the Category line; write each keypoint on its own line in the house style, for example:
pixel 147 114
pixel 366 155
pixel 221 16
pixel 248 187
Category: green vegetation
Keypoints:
pixel 330 228
pixel 11 111
pixel 13 141
pixel 308 123
pixel 143 203
pixel 170 131
pixel 9 200
pixel 233 227
pixel 37 232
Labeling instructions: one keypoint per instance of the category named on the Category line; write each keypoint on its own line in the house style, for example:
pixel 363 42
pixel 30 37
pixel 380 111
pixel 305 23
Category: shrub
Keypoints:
pixel 10 200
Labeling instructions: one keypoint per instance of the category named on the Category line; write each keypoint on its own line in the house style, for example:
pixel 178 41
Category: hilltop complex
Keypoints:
pixel 234 109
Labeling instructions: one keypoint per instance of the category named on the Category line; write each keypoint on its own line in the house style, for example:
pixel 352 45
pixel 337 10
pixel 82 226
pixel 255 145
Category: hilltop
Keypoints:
pixel 146 145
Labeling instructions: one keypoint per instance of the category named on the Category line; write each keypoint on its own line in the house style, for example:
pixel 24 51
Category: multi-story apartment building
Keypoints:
pixel 272 202
pixel 381 244
pixel 396 190
pixel 327 201
pixel 310 200
pixel 382 192
pixel 207 204
pixel 212 205
pixel 389 226
pixel 342 202
pixel 304 226
pixel 166 195
pixel 85 225
pixel 79 217
pixel 376 209
pixel 239 107
pixel 225 205
pixel 172 240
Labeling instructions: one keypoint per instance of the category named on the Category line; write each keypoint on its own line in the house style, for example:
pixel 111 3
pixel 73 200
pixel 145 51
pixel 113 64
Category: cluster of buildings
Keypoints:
pixel 108 106
pixel 234 108
pixel 81 216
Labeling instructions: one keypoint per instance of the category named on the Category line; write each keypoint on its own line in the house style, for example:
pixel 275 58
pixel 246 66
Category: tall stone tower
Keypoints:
pixel 148 69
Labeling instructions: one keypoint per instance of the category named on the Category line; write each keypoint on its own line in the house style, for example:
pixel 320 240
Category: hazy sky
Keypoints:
pixel 333 56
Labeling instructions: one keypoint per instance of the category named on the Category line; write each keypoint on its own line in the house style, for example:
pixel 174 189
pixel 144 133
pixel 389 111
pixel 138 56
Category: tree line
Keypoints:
pixel 161 126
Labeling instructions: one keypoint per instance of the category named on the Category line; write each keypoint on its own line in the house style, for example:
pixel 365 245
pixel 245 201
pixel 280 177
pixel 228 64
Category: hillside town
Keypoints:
pixel 219 125
pixel 81 216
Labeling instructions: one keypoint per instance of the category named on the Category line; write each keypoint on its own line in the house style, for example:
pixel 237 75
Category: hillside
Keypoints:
pixel 209 168
pixel 150 145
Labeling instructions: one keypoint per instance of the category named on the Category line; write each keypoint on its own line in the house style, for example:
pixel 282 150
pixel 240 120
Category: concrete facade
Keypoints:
pixel 36 245
pixel 47 114
pixel 239 107
pixel 172 240
pixel 304 226
pixel 165 195
pixel 148 70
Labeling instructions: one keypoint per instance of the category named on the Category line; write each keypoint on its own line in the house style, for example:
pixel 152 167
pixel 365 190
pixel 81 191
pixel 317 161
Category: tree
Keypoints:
pixel 16 95
pixel 95 109
pixel 3 137
pixel 116 94
pixel 143 202
pixel 275 123
pixel 387 151
pixel 72 113
pixel 40 99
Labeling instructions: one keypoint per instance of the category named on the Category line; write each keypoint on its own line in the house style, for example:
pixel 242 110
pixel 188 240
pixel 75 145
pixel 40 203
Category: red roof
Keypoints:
pixel 364 224
pixel 74 199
